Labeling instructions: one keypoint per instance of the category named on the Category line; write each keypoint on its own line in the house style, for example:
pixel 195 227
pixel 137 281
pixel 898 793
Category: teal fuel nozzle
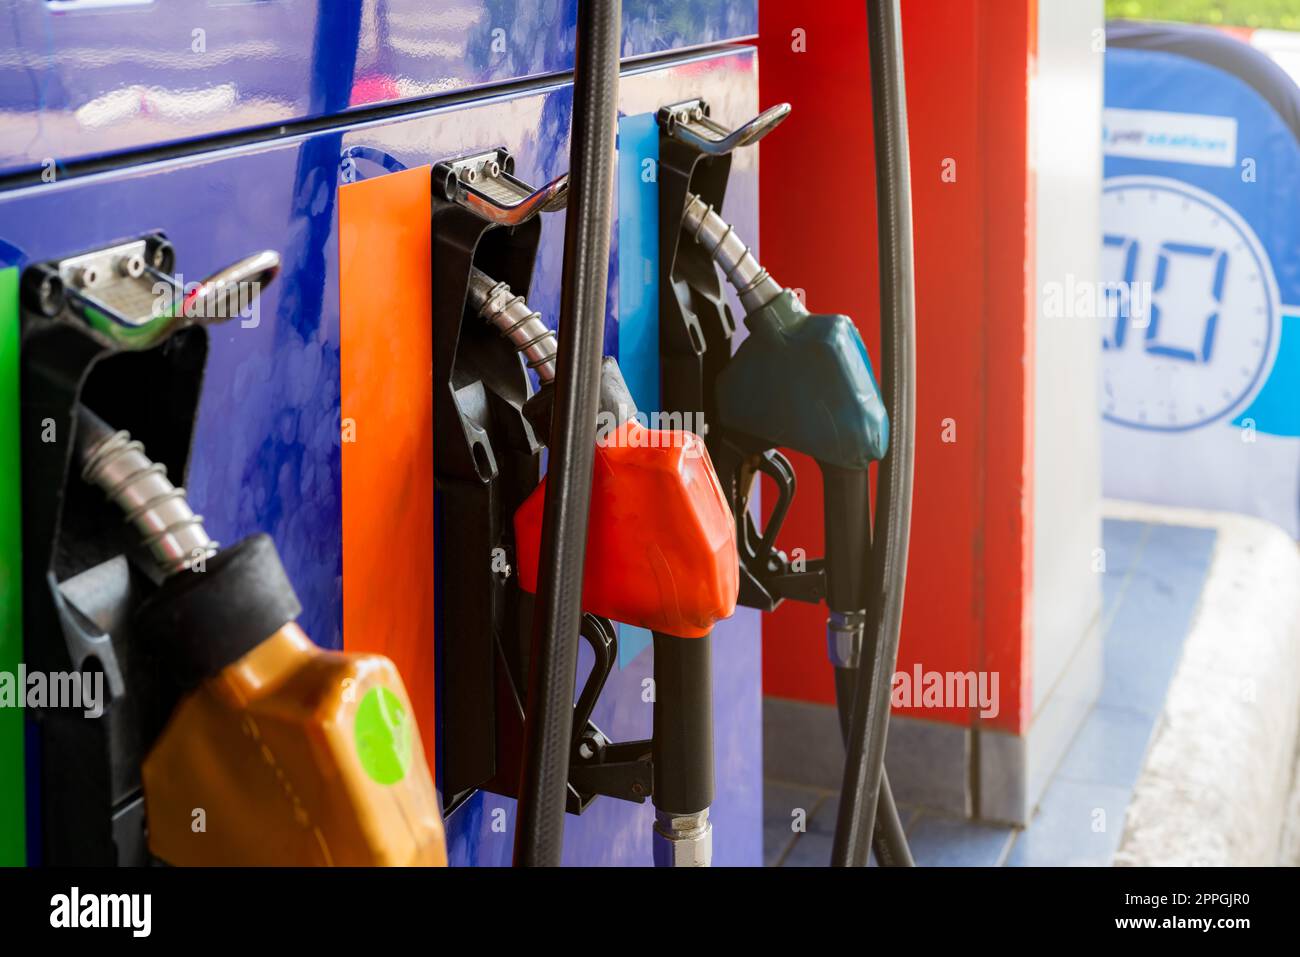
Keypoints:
pixel 800 381
pixel 804 382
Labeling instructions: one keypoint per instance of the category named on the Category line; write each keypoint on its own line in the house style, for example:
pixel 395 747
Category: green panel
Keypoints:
pixel 12 823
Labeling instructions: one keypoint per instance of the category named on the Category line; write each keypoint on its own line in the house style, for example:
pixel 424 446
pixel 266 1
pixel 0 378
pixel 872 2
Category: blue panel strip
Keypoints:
pixel 638 289
pixel 638 257
pixel 632 640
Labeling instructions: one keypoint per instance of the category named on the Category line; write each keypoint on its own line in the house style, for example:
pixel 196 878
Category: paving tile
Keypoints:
pixel 784 848
pixel 779 801
pixel 1140 660
pixel 776 841
pixel 1194 546
pixel 1109 748
pixel 810 850
pixel 938 840
pixel 823 819
pixel 1077 824
pixel 1112 590
pixel 1145 636
pixel 814 850
pixel 1122 541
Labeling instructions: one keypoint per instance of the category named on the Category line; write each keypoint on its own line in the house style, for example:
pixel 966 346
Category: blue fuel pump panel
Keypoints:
pixel 83 78
pixel 267 453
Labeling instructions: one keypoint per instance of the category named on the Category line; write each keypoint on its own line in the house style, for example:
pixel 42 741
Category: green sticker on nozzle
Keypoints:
pixel 383 731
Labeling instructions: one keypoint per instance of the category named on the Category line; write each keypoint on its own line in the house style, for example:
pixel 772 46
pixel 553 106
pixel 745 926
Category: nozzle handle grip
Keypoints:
pixel 199 623
pixel 847 510
pixel 682 747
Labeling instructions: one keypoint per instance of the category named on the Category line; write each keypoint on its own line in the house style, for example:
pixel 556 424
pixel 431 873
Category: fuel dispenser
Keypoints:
pixel 804 382
pixel 660 548
pixel 227 737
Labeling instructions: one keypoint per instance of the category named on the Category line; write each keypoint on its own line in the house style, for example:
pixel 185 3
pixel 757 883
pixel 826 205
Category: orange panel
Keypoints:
pixel 386 378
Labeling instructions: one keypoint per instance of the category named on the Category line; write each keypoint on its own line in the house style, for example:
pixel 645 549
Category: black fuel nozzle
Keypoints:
pixel 847 511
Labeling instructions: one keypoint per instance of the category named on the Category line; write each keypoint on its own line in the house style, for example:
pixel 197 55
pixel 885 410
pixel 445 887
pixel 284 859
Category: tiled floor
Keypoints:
pixel 1153 581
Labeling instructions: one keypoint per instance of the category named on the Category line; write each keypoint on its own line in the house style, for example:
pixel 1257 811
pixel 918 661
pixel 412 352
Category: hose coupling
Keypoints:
pixel 844 637
pixel 683 840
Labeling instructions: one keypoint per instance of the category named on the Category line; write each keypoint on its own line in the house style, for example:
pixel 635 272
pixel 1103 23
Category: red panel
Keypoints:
pixel 1009 49
pixel 967 86
pixel 814 56
pixel 386 357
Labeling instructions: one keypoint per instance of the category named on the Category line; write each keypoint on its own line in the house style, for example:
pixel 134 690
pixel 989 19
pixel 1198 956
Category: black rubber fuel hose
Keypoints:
pixel 864 764
pixel 548 723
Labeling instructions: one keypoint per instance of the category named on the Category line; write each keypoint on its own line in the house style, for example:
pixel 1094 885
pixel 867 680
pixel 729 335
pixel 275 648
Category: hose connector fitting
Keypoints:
pixel 683 840
pixel 844 637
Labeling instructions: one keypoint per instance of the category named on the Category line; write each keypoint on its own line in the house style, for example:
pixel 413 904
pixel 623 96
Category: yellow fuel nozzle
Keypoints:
pixel 294 756
pixel 278 752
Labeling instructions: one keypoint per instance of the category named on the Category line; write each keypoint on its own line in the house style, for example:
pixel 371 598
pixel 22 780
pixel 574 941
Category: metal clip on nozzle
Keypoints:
pixel 128 294
pixel 485 184
pixel 689 121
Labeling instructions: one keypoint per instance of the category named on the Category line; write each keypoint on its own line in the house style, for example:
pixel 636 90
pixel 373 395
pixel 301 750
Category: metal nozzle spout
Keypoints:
pixel 115 462
pixel 512 317
pixel 753 284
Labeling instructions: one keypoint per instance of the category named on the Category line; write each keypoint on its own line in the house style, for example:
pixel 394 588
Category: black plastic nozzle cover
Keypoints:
pixel 544 774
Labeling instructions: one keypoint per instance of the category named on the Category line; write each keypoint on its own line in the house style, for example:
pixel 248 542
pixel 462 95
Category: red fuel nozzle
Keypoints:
pixel 661 554
pixel 661 541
